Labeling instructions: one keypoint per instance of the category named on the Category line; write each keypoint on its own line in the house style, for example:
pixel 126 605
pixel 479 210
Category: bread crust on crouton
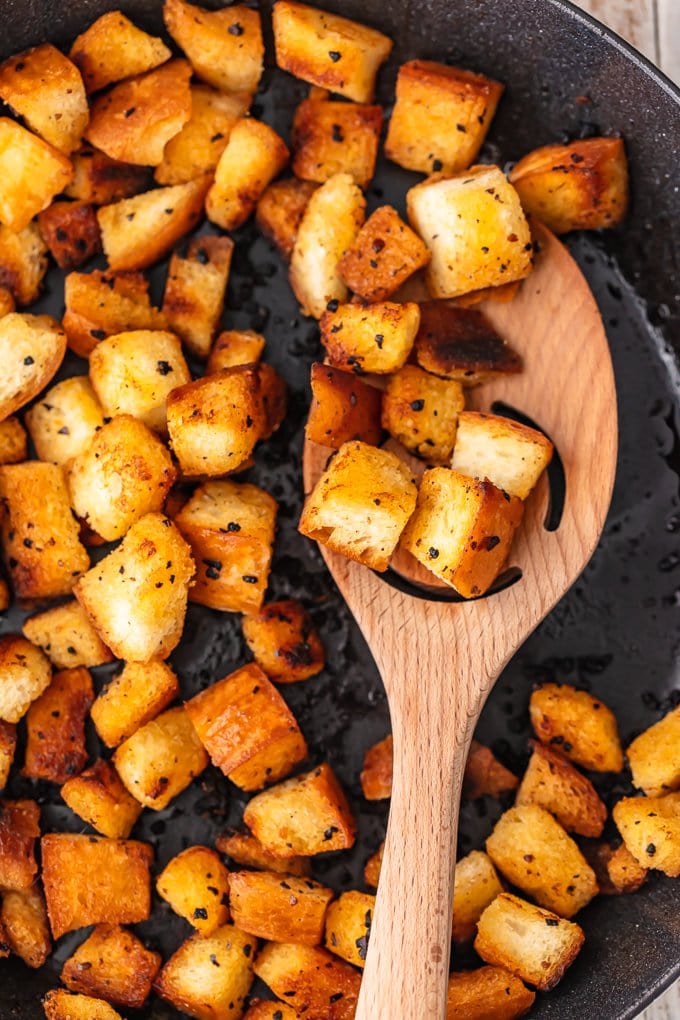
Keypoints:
pixel 254 156
pixel 653 756
pixel 553 783
pixel 194 291
pixel 196 149
pixel 343 408
pixel 61 1005
pixel 373 338
pixel 196 885
pixel 484 775
pixel 55 726
pixel 101 304
pixel 19 829
pixel 460 343
pixel 488 993
pixel 99 180
pixel 133 698
pixel 279 907
pixel 280 210
pixel 23 261
pixel 580 726
pixel 421 412
pixel 310 977
pixel 246 850
pixel 385 253
pixel 71 232
pixel 284 641
pixel 348 926
pixel 112 962
pixel 331 137
pixel 98 796
pixel 31 174
pixel 113 48
pixel 650 827
pixel 24 919
pixel 13 441
pixel 376 774
pixel 34 348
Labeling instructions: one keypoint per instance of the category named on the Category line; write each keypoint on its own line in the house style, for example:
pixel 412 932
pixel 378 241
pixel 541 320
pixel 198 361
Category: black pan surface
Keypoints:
pixel 616 632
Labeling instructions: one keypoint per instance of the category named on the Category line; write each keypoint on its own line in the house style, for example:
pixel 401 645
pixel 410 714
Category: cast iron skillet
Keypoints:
pixel 616 632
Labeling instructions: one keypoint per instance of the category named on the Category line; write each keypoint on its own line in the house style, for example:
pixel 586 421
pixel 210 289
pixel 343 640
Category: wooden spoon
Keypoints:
pixel 439 660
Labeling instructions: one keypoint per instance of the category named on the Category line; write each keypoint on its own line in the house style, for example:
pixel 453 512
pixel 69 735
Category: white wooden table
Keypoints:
pixel 653 27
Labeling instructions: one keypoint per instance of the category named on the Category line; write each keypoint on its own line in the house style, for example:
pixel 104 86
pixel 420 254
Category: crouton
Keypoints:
pixel 328 227
pixel 373 866
pixel 279 907
pixel 578 725
pixel 230 529
pixel 209 976
pixel 274 394
pixel 385 253
pixel 133 698
pixel 284 641
pixel 475 228
pixel 13 441
pixel 125 473
pixel 24 919
pixel 653 756
pixel 112 48
pixel 23 262
pixel 303 816
pixel 312 979
pixel 625 873
pixel 460 343
pixel 327 50
pixel 31 174
pixel 100 180
pixel 5 596
pixel 280 211
pixel 67 637
pixel 196 149
pixel 139 611
pixel 138 231
pixel 194 291
pixel 8 744
pixel 247 728
pixel 441 117
pixel 113 963
pixel 7 303
pixel 19 829
pixel 225 47
pixel 61 1005
pixel 134 373
pixel 196 885
pixel 244 849
pixel 254 156
pixel 343 408
pixel 160 759
pixel 261 1009
pixel 511 455
pixel 582 185
pixel 33 348
pixel 370 338
pixel 65 421
pixel 55 726
pixel 25 672
pixel 98 797
pixel 331 137
pixel 552 783
pixel 39 533
pixel 421 412
pixel 535 945
pixel 100 304
pixel 376 774
pixel 476 885
pixel 71 232
pixel 484 775
pixel 650 827
pixel 348 926
pixel 135 120
pixel 488 993
pixel 46 89
pixel 462 529
pixel 235 347
pixel 533 851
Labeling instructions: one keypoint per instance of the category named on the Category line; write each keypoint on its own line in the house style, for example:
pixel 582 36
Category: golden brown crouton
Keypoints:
pixel 280 211
pixel 23 262
pixel 112 48
pixel 64 422
pixel 254 156
pixel 484 775
pixel 113 963
pixel 230 529
pixel 475 228
pixel 225 47
pixel 460 343
pixel 370 338
pixel 24 919
pixel 196 149
pixel 139 610
pixel 327 50
pixel 98 179
pixel 132 699
pixel 489 993
pixel 247 728
pixel 373 866
pixel 578 725
pixel 235 347
pixel 653 756
pixel 13 441
pixel 385 253
pixel 55 727
pixel 7 303
pixel 100 799
pixel 61 1005
pixel 343 408
pixel 476 884
pixel 284 641
pixel 25 672
pixel 311 979
pixel 376 774
pixel 551 782
pixel 31 174
pixel 160 759
pixel 246 850
pixel 71 232
pixel 303 816
pixel 194 291
pixel 625 873
pixel 196 885
pixel 274 394
pixel 511 455
pixel 441 117
pixel 331 137
pixel 278 907
pixel 8 744
pixel 33 349
pixel 100 304
pixel 582 185
pixel 19 829
pixel 261 1009
pixel 535 945
pixel 348 926
pixel 421 412
pixel 650 827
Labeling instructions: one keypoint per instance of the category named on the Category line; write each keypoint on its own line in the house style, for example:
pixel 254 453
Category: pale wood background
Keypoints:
pixel 653 27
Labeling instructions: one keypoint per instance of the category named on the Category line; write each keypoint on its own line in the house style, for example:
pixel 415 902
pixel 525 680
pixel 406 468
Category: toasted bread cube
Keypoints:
pixel 462 529
pixel 579 186
pixel 303 816
pixel 112 962
pixel 13 441
pixel 554 784
pixel 460 343
pixel 24 919
pixel 125 473
pixel 284 641
pixel 327 50
pixel 578 725
pixel 274 394
pixel 67 637
pixel 5 596
pixel 261 1009
pixel 280 211
pixel 511 455
pixel 139 611
pixel 196 885
pixel 254 156
pixel 23 262
pixel 247 851
pixel 476 884
pixel 139 231
pixel 278 907
pixel 348 926
pixel 61 1005
pixel 421 411
pixel 441 117
pixel 161 759
pixel 99 180
pixel 328 227
pixel 31 174
pixel 71 232
pixel 196 149
pixel 331 137
pixel 136 119
pixel 312 979
pixel 489 993
pixel 65 421
pixel 343 408
pixel 373 867
pixel 535 945
pixel 225 47
pixel 19 829
pixel 650 827
pixel 194 291
pixel 25 672
pixel 133 698
pixel 385 253
pixel 653 756
pixel 247 728
pixel 7 303
pixel 39 533
pixel 33 349
pixel 370 338
pixel 112 48
pixel 532 850
pixel 98 797
pixel 230 529
pixel 484 775
pixel 55 725
pixel 8 744
pixel 235 347
pixel 100 304
pixel 625 873
pixel 475 228
pixel 376 774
